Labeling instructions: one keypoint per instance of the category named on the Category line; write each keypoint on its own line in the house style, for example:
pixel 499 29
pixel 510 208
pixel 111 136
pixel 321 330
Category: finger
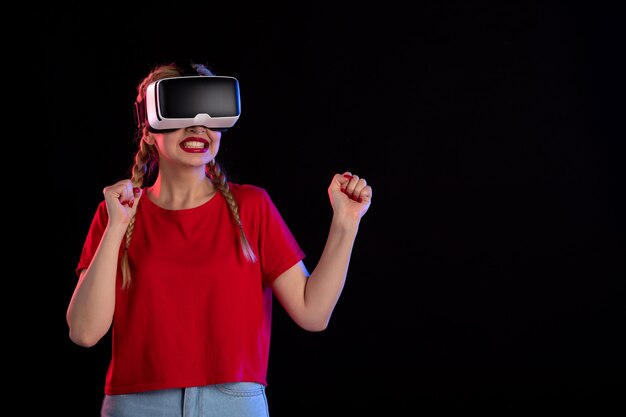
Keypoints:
pixel 358 188
pixel 350 186
pixel 343 179
pixel 136 196
pixel 364 194
pixel 127 196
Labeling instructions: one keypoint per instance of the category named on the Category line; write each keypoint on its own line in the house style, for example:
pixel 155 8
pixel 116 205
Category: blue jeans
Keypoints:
pixel 235 399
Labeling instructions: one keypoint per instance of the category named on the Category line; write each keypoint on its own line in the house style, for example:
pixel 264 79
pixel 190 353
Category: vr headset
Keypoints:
pixel 174 103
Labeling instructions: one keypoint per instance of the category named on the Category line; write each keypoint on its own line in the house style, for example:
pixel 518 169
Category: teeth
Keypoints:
pixel 193 144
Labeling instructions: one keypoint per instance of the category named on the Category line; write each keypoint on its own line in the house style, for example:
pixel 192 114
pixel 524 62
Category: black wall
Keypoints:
pixel 489 272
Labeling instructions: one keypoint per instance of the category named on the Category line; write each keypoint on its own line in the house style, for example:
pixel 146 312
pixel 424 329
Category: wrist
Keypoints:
pixel 116 230
pixel 345 223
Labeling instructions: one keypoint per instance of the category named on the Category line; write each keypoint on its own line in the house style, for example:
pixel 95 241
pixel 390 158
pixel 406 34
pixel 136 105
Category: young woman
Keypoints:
pixel 183 271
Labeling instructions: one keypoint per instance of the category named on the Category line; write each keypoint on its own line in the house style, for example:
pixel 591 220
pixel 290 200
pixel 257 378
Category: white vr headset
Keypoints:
pixel 174 103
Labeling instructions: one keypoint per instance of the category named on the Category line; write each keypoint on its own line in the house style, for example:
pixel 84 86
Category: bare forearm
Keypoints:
pixel 327 280
pixel 90 312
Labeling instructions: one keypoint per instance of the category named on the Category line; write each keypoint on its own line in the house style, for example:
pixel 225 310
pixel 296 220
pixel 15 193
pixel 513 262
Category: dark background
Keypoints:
pixel 488 274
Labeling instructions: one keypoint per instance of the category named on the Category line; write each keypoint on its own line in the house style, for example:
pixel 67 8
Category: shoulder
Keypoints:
pixel 253 200
pixel 247 193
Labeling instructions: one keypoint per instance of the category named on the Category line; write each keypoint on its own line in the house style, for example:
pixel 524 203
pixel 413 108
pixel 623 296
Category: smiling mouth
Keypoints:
pixel 194 145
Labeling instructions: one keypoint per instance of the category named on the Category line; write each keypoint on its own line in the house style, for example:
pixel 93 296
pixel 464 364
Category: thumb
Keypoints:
pixel 341 180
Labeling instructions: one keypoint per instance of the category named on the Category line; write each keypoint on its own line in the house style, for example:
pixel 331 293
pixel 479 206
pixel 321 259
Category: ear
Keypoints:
pixel 149 139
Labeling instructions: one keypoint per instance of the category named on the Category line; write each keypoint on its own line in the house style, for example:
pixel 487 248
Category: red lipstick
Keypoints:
pixel 194 145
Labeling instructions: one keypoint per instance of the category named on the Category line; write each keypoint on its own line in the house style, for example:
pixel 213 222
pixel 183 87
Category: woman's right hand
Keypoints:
pixel 121 200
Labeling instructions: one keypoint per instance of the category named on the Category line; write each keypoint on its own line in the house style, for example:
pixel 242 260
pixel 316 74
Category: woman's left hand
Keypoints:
pixel 350 195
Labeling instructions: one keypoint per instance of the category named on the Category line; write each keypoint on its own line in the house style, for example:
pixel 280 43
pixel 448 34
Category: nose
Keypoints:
pixel 197 129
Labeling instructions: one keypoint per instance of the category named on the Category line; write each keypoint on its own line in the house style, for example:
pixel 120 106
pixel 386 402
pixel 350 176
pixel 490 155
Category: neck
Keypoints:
pixel 181 190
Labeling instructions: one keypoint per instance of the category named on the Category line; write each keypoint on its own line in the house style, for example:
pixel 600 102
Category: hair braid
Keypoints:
pixel 217 176
pixel 143 159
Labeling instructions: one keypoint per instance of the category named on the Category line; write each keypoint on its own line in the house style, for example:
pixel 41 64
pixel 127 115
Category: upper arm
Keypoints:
pixel 289 287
